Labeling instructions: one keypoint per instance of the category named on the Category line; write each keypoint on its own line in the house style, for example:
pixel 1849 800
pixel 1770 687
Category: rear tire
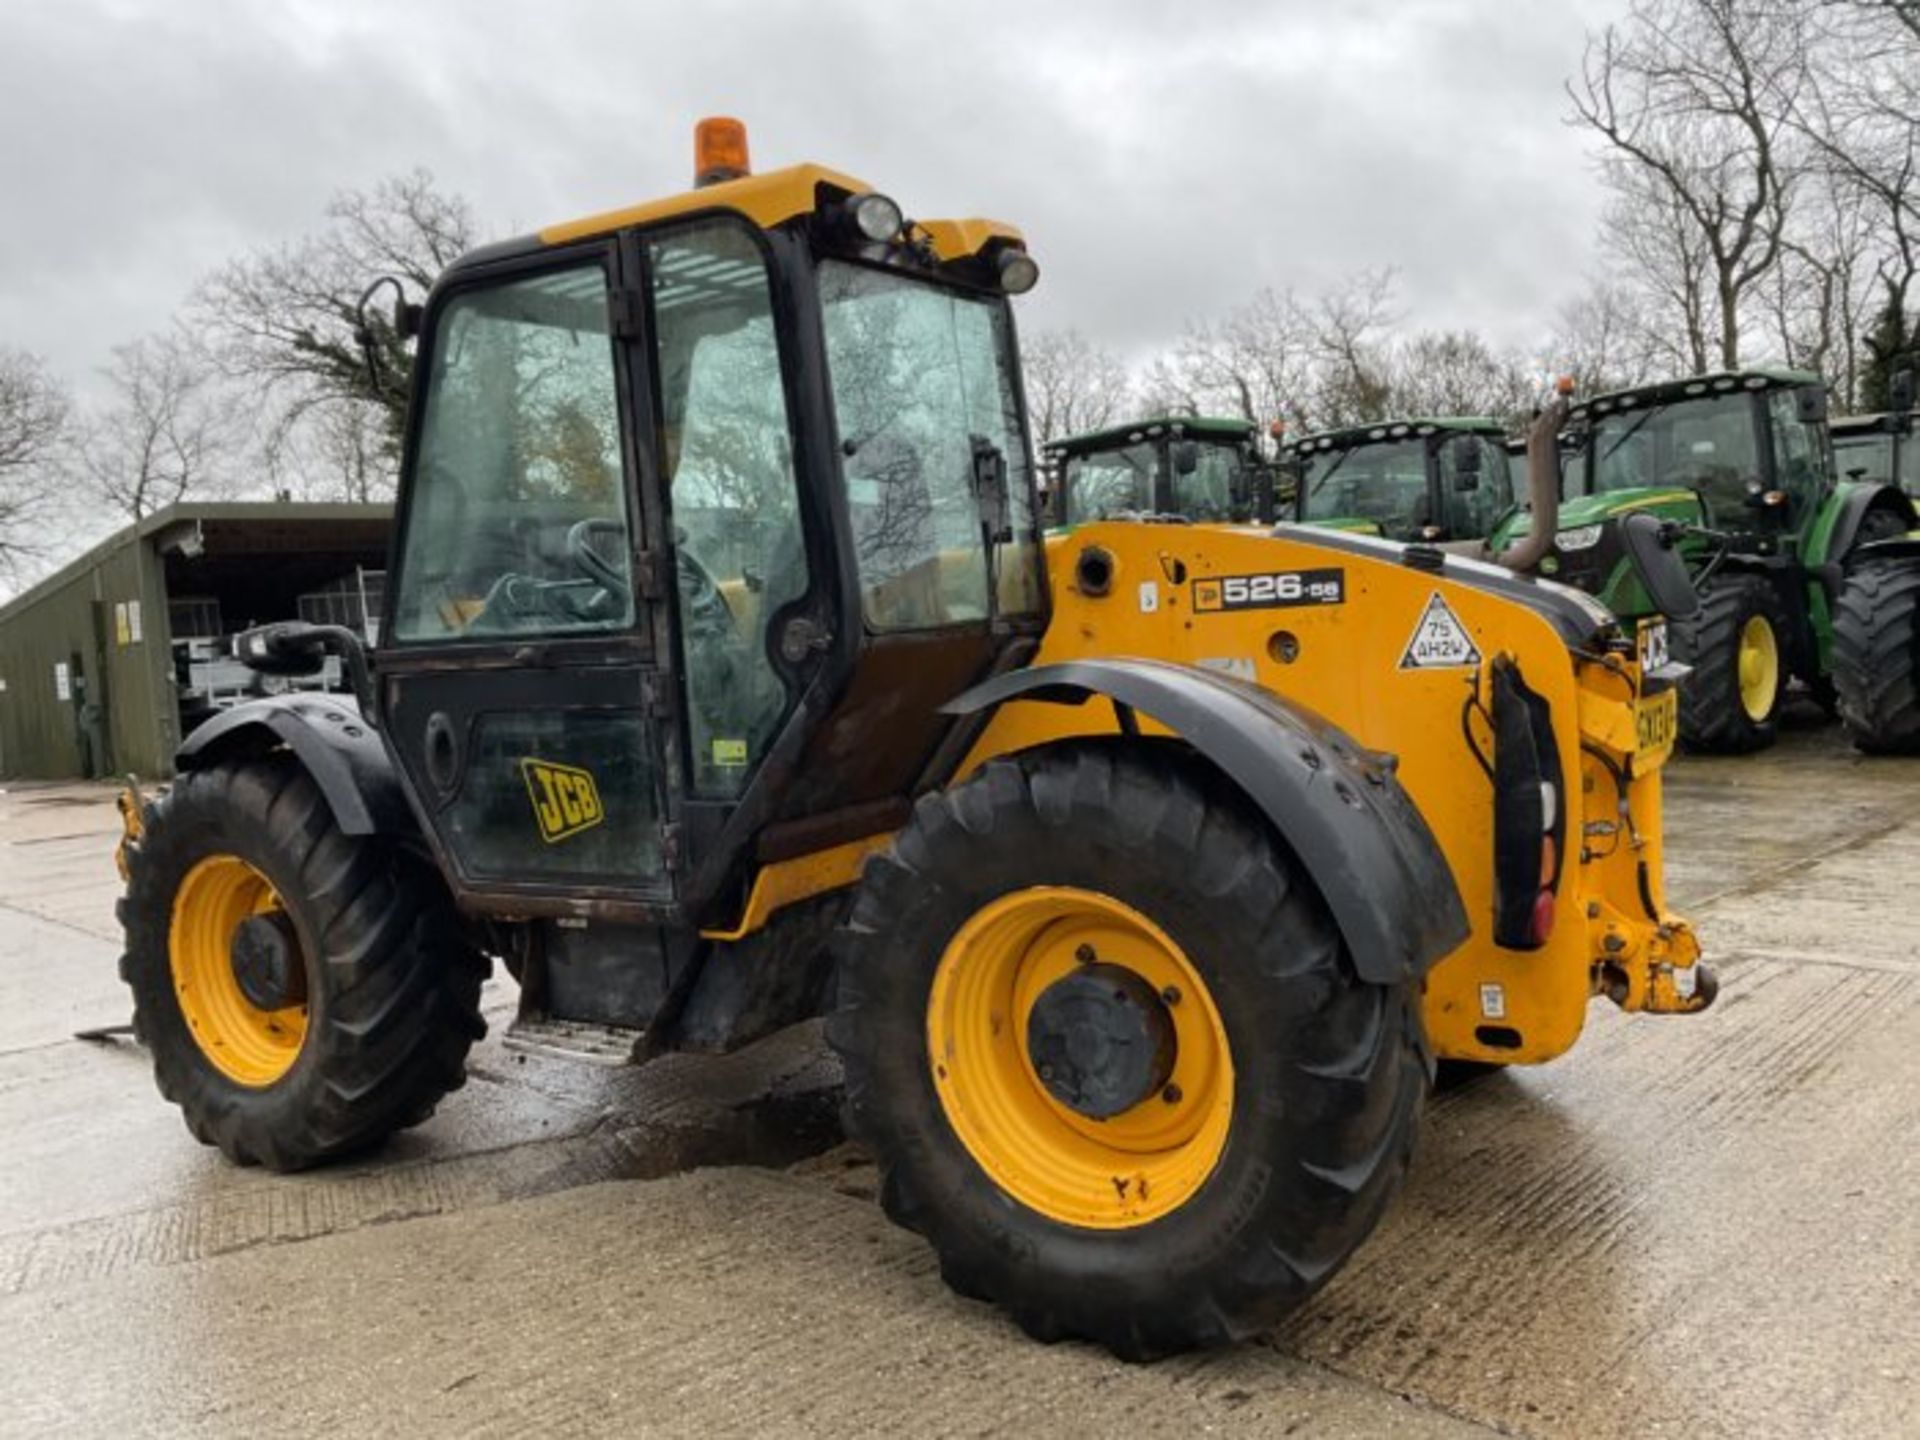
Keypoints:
pixel 391 998
pixel 1326 1075
pixel 1729 702
pixel 1876 645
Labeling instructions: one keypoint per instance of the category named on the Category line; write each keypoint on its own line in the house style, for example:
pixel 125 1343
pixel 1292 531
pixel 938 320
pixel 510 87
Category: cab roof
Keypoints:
pixel 768 200
pixel 1890 421
pixel 1381 431
pixel 1692 387
pixel 1212 427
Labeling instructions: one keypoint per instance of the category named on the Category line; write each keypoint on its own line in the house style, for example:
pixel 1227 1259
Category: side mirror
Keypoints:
pixel 1900 392
pixel 1186 457
pixel 1661 570
pixel 1810 404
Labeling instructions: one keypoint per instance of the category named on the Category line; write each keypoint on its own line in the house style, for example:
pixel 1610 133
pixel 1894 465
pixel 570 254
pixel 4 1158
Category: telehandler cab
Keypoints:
pixel 725 681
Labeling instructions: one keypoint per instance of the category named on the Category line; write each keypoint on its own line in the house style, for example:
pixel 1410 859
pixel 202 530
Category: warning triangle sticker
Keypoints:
pixel 1439 640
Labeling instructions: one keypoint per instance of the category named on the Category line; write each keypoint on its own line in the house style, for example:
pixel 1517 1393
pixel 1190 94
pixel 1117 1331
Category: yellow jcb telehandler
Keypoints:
pixel 726 679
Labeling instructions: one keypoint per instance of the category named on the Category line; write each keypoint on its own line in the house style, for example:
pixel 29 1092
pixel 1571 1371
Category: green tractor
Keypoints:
pixel 1197 467
pixel 1426 480
pixel 1881 447
pixel 1740 467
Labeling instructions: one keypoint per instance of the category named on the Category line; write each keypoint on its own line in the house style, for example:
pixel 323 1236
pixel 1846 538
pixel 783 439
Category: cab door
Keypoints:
pixel 518 682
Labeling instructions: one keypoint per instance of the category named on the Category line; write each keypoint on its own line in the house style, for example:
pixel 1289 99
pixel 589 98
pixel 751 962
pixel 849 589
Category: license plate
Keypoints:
pixel 1656 720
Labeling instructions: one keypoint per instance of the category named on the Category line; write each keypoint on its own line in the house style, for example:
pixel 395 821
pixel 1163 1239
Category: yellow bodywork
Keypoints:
pixel 773 199
pixel 1346 664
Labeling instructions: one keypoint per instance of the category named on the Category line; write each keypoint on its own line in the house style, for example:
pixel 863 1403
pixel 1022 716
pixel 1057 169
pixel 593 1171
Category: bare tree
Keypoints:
pixel 161 436
pixel 34 411
pixel 1456 372
pixel 1312 360
pixel 1691 97
pixel 1599 337
pixel 1073 385
pixel 284 322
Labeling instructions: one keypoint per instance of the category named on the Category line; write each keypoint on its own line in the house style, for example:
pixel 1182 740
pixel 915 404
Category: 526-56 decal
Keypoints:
pixel 1274 590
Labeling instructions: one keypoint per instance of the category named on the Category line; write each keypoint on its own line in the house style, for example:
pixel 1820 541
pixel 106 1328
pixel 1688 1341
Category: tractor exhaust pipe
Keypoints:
pixel 1543 483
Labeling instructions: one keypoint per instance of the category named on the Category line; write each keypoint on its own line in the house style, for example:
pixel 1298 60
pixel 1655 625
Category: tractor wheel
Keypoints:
pixel 1876 644
pixel 1112 1056
pixel 304 993
pixel 1736 648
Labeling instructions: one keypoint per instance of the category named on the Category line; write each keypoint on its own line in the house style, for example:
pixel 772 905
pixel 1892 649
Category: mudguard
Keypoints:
pixel 1855 501
pixel 330 738
pixel 1337 805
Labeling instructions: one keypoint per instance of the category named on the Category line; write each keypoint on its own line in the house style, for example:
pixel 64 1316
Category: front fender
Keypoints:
pixel 1854 503
pixel 1337 805
pixel 329 737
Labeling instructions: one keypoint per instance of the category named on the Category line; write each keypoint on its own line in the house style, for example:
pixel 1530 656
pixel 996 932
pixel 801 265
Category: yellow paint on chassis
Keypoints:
pixel 1345 664
pixel 250 1046
pixel 1130 1169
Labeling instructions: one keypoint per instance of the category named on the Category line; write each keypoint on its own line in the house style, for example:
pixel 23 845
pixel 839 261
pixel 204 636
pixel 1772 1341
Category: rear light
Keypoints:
pixel 1529 821
pixel 1542 925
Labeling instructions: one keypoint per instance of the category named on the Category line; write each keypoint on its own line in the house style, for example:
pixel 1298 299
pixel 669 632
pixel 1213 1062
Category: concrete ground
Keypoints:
pixel 1691 1227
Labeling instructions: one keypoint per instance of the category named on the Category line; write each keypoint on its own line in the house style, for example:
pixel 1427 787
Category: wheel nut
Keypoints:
pixel 1171 995
pixel 1085 954
pixel 1171 1094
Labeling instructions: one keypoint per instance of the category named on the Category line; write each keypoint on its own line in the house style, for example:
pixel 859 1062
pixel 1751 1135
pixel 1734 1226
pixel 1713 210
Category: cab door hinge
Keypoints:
pixel 673 852
pixel 624 309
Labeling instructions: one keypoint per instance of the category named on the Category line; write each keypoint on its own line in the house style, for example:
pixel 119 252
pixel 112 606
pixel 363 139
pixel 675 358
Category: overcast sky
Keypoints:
pixel 1165 159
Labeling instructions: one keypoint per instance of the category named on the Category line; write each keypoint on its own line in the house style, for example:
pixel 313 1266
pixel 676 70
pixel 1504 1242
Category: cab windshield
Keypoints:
pixel 1870 452
pixel 1207 493
pixel 1707 445
pixel 1109 482
pixel 1385 484
pixel 923 392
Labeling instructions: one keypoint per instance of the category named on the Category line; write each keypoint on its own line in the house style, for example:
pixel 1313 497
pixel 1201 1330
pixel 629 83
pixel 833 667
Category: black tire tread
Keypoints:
pixel 1876 657
pixel 1354 1069
pixel 1712 718
pixel 398 1002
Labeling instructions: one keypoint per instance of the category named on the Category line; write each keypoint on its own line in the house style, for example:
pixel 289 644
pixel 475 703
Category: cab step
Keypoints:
pixel 594 1043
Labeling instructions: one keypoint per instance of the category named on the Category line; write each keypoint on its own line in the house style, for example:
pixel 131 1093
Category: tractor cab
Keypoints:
pixel 1881 447
pixel 1203 469
pixel 1740 467
pixel 1412 480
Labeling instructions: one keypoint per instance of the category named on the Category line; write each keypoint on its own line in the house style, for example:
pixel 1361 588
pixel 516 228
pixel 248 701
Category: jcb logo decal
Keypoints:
pixel 565 799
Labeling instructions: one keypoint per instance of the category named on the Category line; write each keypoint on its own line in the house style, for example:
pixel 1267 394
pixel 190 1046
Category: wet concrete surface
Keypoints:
pixel 1693 1227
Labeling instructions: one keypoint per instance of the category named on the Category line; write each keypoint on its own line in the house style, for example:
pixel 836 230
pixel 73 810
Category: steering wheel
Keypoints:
pixel 590 562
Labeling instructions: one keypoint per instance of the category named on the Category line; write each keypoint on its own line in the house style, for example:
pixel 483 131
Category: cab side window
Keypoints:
pixel 518 520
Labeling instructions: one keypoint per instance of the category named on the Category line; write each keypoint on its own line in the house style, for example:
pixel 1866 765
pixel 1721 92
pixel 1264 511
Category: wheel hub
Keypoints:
pixel 265 954
pixel 1101 1040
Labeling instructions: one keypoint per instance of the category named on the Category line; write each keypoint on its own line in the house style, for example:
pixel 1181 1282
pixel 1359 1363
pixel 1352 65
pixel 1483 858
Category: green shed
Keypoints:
pixel 108 662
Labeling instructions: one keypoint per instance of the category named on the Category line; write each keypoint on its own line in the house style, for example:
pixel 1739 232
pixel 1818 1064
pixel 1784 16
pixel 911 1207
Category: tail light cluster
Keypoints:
pixel 1529 812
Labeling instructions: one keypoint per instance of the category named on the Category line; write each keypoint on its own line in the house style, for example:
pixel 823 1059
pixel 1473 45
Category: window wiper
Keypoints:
pixel 1625 435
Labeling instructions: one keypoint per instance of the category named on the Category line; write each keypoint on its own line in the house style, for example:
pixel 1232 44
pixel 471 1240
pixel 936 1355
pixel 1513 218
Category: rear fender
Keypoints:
pixel 1337 805
pixel 333 743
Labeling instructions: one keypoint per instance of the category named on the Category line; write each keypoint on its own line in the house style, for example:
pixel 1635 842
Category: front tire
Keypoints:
pixel 1240 1178
pixel 1736 646
pixel 303 993
pixel 1876 646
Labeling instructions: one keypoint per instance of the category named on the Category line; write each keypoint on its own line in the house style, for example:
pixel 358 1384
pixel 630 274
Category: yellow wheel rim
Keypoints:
pixel 1125 1171
pixel 1759 662
pixel 251 1046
